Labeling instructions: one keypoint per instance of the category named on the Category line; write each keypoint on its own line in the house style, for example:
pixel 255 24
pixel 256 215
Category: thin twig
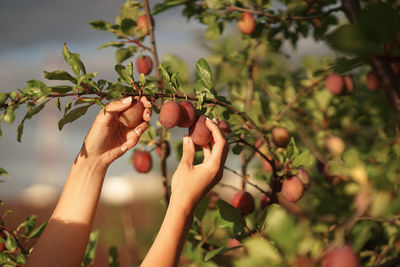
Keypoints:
pixel 246 180
pixel 296 98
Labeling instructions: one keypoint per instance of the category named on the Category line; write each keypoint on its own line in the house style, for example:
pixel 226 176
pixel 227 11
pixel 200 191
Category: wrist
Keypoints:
pixel 182 204
pixel 92 163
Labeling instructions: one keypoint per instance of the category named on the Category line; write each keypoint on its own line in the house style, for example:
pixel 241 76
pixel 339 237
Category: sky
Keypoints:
pixel 32 36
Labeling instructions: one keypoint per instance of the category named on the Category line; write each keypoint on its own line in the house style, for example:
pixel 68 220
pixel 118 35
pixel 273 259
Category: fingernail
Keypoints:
pixel 124 148
pixel 207 118
pixel 215 121
pixel 186 139
pixel 127 100
pixel 148 116
pixel 139 131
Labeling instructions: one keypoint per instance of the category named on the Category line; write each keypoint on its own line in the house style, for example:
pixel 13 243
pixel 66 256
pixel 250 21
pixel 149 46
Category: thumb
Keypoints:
pixel 188 151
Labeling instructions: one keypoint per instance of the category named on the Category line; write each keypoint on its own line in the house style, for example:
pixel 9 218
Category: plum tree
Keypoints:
pixel 188 114
pixel 335 83
pixel 372 81
pixel 335 145
pixel 132 116
pixel 246 23
pixel 341 257
pixel 159 148
pixel 144 64
pixel 244 202
pixel 143 25
pixel 142 161
pixel 292 188
pixel 280 136
pixel 199 132
pixel 170 114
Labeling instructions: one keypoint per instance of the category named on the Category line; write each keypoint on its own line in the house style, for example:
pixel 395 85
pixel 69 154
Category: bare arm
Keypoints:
pixel 189 184
pixel 64 240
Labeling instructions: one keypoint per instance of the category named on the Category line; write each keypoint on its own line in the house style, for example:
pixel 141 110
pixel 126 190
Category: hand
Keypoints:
pixel 190 183
pixel 108 139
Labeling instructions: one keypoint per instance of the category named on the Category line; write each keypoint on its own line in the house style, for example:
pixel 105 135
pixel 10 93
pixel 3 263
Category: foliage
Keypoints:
pixel 250 82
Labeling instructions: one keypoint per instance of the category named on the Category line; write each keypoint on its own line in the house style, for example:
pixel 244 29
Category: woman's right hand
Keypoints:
pixel 191 182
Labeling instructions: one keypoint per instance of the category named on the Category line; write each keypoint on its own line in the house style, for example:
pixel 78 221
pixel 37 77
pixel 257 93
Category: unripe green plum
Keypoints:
pixel 341 257
pixel 292 189
pixel 142 161
pixel 246 23
pixel 280 136
pixel 132 116
pixel 244 202
pixel 170 114
pixel 3 98
pixel 372 81
pixel 335 83
pixel 199 132
pixel 144 64
pixel 188 114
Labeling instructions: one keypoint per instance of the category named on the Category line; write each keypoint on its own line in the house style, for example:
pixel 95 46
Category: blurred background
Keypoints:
pixel 32 36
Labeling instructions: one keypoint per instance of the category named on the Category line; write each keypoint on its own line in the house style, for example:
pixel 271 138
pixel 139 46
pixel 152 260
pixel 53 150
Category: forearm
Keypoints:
pixel 167 247
pixel 66 235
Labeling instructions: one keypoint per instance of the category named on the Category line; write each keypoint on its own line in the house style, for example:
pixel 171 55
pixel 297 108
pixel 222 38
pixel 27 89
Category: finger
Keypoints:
pixel 119 105
pixel 147 114
pixel 219 142
pixel 113 108
pixel 146 103
pixel 132 137
pixel 188 151
pixel 206 153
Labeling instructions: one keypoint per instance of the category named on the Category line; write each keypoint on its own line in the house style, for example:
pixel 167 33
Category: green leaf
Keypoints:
pixel 128 26
pixel 291 150
pixel 38 231
pixel 3 172
pixel 59 75
pixel 380 21
pixel 113 257
pixel 201 208
pixel 36 88
pixel 230 217
pixel 6 260
pixel 91 248
pixel 259 247
pixel 20 259
pixel 303 159
pixel 352 39
pixel 62 89
pixel 125 53
pixel 237 149
pixel 58 104
pixel 28 224
pixel 218 251
pixel 111 43
pixel 160 7
pixel 74 61
pixel 72 116
pixel 343 65
pixel 124 74
pixel 281 227
pixel 100 25
pixel 31 112
pixel 203 72
pixel 11 243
